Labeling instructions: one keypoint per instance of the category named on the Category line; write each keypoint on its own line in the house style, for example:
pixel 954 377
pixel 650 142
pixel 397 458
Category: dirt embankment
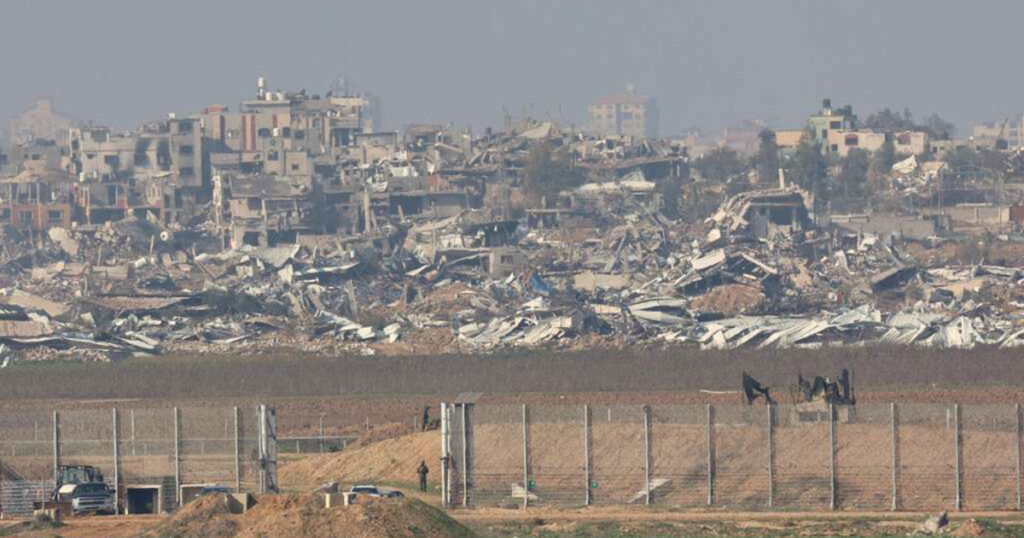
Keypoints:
pixel 392 460
pixel 304 515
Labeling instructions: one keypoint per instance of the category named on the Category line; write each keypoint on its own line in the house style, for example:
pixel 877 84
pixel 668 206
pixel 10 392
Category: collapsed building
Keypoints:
pixel 292 223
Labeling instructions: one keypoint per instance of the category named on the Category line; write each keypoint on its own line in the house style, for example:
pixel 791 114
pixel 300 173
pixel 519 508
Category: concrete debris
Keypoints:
pixel 61 237
pixel 340 239
pixel 933 525
pixel 492 282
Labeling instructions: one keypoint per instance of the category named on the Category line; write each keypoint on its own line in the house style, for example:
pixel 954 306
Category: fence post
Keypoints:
pixel 771 454
pixel 321 434
pixel 647 454
pixel 131 417
pixel 1016 416
pixel 956 433
pixel 444 456
pixel 238 457
pixel 56 445
pixel 267 449
pixel 177 455
pixel 711 453
pixel 465 455
pixel 586 449
pixel 117 457
pixel 832 455
pixel 895 457
pixel 526 460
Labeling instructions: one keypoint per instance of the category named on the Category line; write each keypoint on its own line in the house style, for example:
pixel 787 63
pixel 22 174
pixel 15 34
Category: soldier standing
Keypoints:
pixel 422 471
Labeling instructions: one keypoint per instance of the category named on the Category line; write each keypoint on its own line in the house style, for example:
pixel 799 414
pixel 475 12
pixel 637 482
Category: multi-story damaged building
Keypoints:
pixel 173 146
pixel 159 170
pixel 35 152
pixel 38 198
pixel 284 121
pixel 267 209
pixel 282 157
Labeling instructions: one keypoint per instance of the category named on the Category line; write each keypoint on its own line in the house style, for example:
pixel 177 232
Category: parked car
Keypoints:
pixel 92 497
pixel 391 493
pixel 368 490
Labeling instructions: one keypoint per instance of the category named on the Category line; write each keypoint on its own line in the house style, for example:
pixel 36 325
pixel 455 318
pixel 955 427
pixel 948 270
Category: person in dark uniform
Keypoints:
pixel 422 471
pixel 426 418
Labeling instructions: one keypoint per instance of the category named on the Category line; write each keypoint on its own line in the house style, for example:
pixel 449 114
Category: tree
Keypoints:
pixel 995 161
pixel 882 160
pixel 808 168
pixel 767 160
pixel 888 121
pixel 853 172
pixel 548 172
pixel 938 128
pixel 719 164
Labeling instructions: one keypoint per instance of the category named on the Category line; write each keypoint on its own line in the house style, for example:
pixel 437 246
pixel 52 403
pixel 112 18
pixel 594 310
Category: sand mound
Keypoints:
pixel 383 432
pixel 729 299
pixel 971 527
pixel 304 515
pixel 206 516
pixel 388 460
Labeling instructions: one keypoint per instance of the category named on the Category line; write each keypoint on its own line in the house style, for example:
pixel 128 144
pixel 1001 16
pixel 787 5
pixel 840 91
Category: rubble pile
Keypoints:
pixel 257 231
pixel 472 282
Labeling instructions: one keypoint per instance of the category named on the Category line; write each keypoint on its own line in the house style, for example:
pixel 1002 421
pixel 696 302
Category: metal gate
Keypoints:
pixel 19 498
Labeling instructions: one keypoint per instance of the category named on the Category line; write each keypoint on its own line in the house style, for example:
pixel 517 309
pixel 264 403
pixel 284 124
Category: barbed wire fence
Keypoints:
pixel 173 452
pixel 864 457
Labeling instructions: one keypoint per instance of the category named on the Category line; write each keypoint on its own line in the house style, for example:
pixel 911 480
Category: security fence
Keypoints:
pixel 163 453
pixel 804 456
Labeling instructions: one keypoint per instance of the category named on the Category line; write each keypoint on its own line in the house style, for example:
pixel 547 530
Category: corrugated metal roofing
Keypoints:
pixel 134 303
pixel 10 328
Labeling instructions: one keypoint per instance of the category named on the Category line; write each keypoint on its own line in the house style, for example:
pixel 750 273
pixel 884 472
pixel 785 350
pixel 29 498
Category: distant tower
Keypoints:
pixel 624 114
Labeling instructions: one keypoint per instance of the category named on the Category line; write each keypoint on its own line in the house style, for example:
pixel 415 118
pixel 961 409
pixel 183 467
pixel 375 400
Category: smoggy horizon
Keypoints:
pixel 709 64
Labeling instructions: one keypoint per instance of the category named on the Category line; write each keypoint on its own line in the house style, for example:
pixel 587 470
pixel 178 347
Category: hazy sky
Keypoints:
pixel 709 63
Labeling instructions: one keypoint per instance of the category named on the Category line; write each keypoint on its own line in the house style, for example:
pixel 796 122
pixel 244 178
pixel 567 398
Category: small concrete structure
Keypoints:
pixel 240 503
pixel 190 492
pixel 334 500
pixel 144 499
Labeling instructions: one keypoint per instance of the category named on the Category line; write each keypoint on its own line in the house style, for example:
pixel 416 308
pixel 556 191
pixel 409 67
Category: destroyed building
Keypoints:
pixel 294 223
pixel 38 198
pixel 764 214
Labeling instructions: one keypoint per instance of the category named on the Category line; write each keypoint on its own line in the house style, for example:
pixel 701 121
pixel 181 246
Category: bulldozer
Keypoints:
pixel 69 476
pixel 814 398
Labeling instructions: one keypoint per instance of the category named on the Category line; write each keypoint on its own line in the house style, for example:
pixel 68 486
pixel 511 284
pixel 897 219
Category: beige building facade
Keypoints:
pixel 41 122
pixel 841 142
pixel 624 114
